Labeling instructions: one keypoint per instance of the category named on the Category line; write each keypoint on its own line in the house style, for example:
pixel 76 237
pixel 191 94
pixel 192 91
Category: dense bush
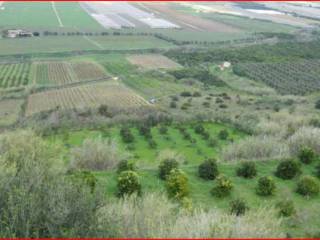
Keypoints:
pixel 163 130
pixel 87 178
pixel 173 105
pixel 126 135
pixel 288 169
pixel 199 129
pixel 286 208
pixel 247 170
pixel 305 137
pixel 125 165
pixel 104 111
pixel 145 131
pixel 318 170
pixel 208 170
pixel 223 187
pixel 96 154
pixel 223 134
pixel 238 207
pixel 306 155
pixel 256 148
pixel 128 183
pixel 266 186
pixel 166 166
pixel 212 142
pixel 177 184
pixel 317 104
pixel 308 186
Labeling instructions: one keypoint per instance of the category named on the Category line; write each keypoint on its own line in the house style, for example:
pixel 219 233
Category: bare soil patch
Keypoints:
pixel 152 61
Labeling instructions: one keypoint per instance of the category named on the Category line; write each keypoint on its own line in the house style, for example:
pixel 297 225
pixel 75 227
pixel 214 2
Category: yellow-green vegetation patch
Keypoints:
pixel 9 111
pixel 152 61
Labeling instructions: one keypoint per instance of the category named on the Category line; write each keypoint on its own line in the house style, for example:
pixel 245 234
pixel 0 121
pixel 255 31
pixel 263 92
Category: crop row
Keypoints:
pixel 296 78
pixel 85 96
pixel 14 75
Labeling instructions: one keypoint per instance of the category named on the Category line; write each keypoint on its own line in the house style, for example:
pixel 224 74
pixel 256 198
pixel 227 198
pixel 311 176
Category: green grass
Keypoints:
pixel 73 16
pixel 28 14
pixel 58 44
pixel 173 140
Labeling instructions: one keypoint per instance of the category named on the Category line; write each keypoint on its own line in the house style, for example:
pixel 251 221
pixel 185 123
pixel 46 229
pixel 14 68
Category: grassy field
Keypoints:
pixel 193 154
pixel 68 15
pixel 9 111
pixel 28 14
pixel 70 43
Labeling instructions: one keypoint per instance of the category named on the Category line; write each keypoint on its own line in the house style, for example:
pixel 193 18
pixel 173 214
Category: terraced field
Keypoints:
pixel 61 73
pixel 85 96
pixel 14 74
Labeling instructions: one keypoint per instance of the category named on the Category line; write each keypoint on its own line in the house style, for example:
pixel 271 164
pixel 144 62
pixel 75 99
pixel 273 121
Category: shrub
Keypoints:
pixel 173 105
pixel 87 178
pixel 256 148
pixel 199 129
pixel 286 208
pixel 96 154
pixel 185 94
pixel 212 142
pixel 166 166
pixel 305 137
pixel 266 186
pixel 163 130
pixel 208 170
pixel 125 165
pixel 288 169
pixel 223 134
pixel 177 184
pixel 306 155
pixel 223 187
pixel 247 170
pixel 196 94
pixel 104 111
pixel 317 104
pixel 128 183
pixel 308 186
pixel 145 130
pixel 152 143
pixel 238 207
pixel 126 135
pixel 318 170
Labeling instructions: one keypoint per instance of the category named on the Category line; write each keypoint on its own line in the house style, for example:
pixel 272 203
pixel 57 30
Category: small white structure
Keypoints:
pixel 16 33
pixel 224 65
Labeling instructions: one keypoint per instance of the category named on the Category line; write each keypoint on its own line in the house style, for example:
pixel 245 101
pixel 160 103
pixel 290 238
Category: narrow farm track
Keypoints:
pixel 57 14
pixel 93 42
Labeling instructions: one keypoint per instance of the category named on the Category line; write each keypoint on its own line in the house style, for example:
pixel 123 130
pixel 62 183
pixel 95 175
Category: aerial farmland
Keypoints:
pixel 159 119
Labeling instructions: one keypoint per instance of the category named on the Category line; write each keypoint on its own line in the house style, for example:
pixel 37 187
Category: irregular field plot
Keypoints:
pixel 60 73
pixel 14 74
pixel 9 111
pixel 153 61
pixel 85 96
pixel 287 78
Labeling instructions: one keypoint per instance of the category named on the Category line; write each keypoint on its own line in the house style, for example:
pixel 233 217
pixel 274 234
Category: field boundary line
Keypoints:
pixel 57 14
pixel 74 84
pixel 93 42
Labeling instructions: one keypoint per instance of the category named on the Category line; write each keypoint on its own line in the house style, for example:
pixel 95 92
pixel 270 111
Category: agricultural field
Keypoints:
pixel 9 111
pixel 150 62
pixel 14 74
pixel 47 15
pixel 61 73
pixel 82 43
pixel 296 78
pixel 85 96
